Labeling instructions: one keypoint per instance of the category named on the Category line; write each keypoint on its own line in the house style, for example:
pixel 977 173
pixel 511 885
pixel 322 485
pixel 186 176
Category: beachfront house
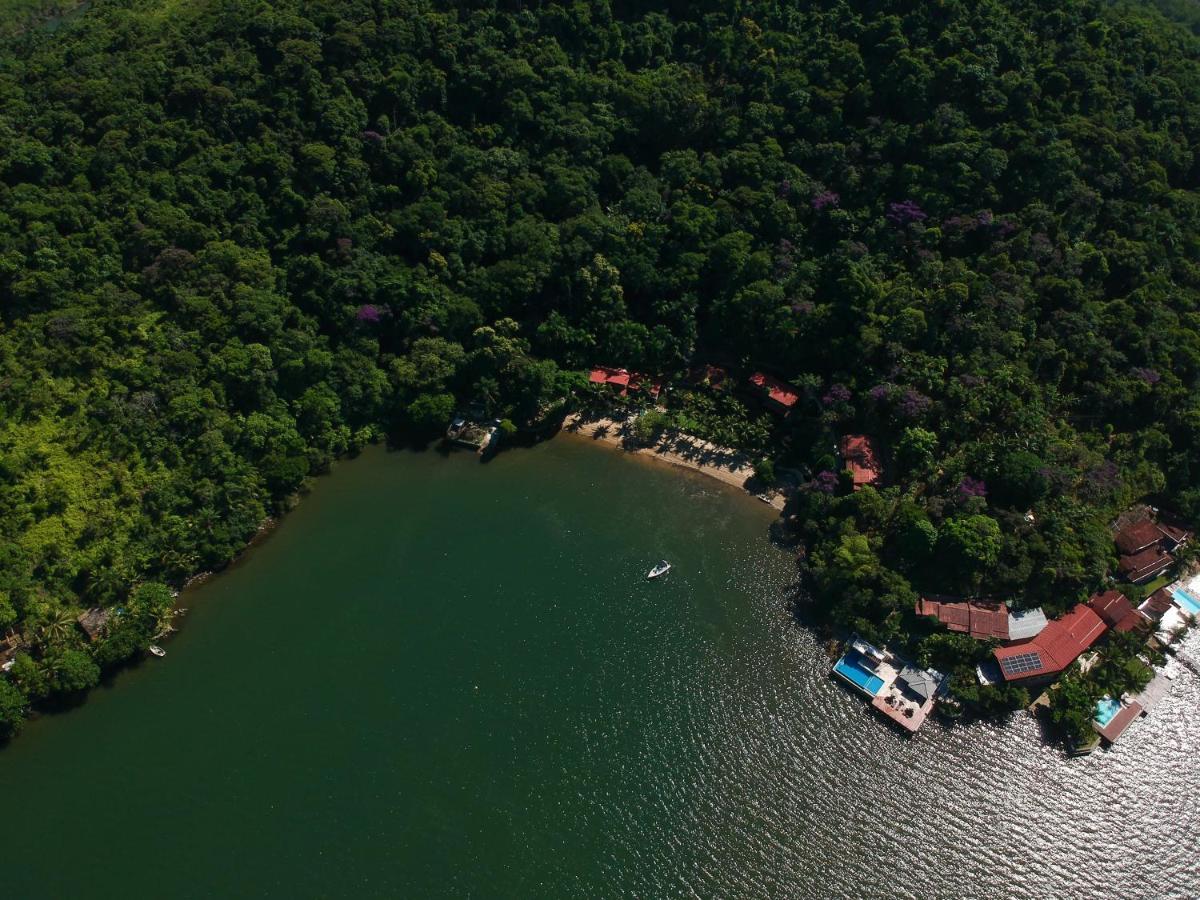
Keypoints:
pixel 1114 715
pixel 984 620
pixel 1145 544
pixel 1145 565
pixel 1173 609
pixel 622 381
pixel 860 456
pixel 981 619
pixel 778 396
pixel 1156 605
pixel 1059 644
pixel 1118 613
pixel 896 689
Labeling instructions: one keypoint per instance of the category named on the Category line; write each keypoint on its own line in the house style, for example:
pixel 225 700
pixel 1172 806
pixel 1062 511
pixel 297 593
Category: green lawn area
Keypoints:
pixel 1161 581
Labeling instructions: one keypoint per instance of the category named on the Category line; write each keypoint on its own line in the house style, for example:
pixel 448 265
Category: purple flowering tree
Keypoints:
pixel 825 199
pixel 905 212
pixel 368 312
pixel 913 403
pixel 837 393
pixel 971 487
pixel 826 481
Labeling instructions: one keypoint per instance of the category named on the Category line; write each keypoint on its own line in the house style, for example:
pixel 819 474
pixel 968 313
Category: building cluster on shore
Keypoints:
pixel 1034 651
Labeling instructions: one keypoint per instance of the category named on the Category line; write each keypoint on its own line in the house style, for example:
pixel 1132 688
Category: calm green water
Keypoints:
pixel 440 678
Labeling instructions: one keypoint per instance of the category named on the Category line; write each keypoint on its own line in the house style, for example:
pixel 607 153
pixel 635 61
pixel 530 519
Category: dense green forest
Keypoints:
pixel 241 239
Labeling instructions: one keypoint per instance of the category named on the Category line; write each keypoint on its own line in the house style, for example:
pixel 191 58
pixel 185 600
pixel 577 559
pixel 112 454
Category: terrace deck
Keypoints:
pixel 1117 724
pixel 896 713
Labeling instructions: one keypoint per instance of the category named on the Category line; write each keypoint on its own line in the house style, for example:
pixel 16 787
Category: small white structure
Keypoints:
pixel 1026 624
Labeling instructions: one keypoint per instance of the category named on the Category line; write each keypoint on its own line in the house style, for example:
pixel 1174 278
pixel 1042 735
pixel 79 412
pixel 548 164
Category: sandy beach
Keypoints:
pixel 722 463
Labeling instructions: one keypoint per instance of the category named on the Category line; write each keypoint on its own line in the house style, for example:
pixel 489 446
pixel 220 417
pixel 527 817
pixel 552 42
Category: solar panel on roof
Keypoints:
pixel 1021 663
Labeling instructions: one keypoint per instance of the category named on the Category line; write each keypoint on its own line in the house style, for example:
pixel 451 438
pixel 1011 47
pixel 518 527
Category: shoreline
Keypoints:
pixel 731 467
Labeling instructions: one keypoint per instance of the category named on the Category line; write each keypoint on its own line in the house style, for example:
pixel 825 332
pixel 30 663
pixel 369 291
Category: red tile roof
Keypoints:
pixel 640 382
pixel 980 620
pixel 1156 605
pixel 1056 647
pixel 1137 536
pixel 778 391
pixel 860 457
pixel 1174 534
pixel 1116 611
pixel 1144 564
pixel 625 380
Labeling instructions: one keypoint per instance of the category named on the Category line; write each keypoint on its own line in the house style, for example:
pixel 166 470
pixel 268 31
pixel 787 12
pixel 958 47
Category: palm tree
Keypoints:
pixel 106 584
pixel 57 628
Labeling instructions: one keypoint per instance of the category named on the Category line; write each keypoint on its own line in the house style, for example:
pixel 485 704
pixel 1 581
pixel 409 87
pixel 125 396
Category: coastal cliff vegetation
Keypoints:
pixel 241 239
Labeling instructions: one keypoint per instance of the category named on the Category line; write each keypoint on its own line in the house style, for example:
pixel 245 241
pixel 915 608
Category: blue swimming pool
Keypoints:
pixel 1187 601
pixel 1106 708
pixel 853 669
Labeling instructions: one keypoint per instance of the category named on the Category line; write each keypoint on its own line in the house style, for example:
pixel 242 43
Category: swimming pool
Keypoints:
pixel 1106 708
pixel 853 669
pixel 1187 601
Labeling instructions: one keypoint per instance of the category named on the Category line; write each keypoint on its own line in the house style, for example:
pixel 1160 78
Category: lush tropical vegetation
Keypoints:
pixel 241 239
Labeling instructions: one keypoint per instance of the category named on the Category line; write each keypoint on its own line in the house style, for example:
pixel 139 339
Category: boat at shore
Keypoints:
pixel 157 650
pixel 662 568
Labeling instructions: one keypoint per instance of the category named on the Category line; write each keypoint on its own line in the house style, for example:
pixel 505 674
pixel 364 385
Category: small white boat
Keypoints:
pixel 662 568
pixel 157 650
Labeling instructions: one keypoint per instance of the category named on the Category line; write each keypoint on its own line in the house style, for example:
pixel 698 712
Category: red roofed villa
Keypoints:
pixel 1137 536
pixel 780 396
pixel 1145 544
pixel 625 380
pixel 982 621
pixel 1145 564
pixel 1116 611
pixel 860 456
pixel 1056 647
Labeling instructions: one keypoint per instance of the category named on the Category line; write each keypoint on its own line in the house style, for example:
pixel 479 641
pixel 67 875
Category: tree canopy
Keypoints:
pixel 241 239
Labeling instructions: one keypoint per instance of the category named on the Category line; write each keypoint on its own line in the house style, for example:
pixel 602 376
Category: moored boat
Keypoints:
pixel 662 568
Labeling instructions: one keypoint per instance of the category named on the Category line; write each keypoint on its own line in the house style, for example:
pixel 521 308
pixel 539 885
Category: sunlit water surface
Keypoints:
pixel 441 678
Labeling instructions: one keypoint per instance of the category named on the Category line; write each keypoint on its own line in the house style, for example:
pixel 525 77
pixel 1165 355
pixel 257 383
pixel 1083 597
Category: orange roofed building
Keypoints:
pixel 625 380
pixel 860 456
pixel 1117 611
pixel 1056 647
pixel 780 396
pixel 982 621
